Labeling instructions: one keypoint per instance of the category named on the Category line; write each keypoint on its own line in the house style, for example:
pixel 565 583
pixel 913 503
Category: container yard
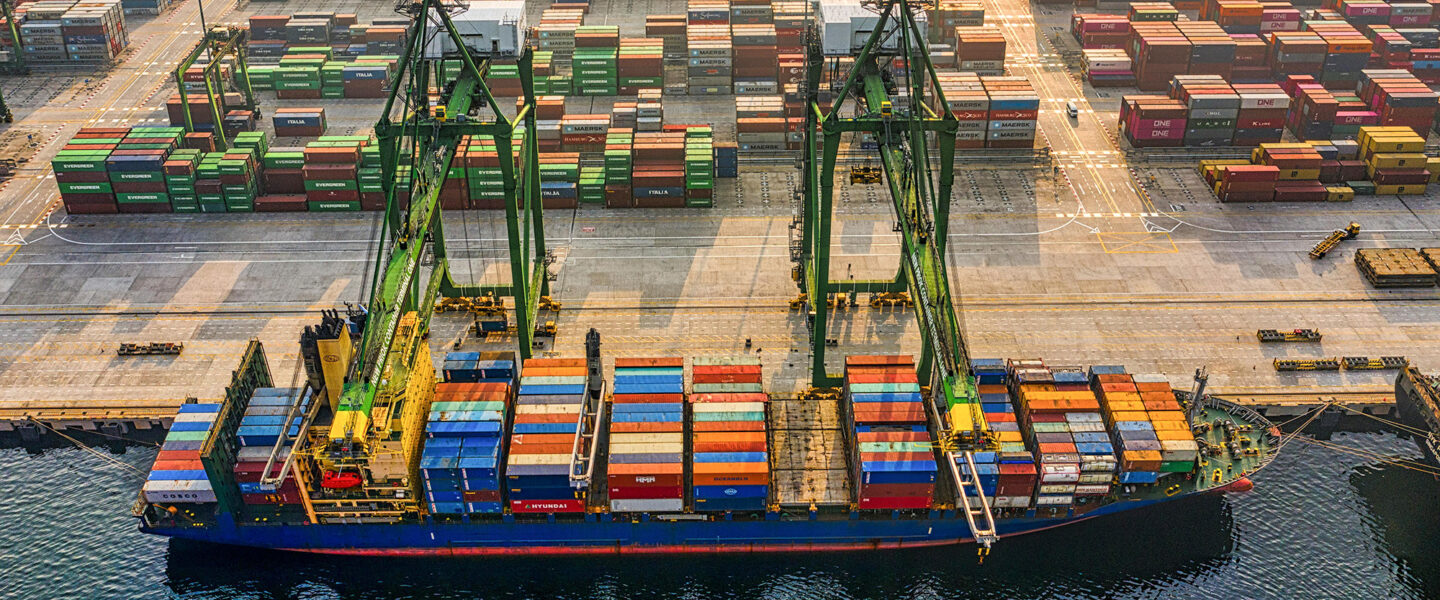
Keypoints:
pixel 808 330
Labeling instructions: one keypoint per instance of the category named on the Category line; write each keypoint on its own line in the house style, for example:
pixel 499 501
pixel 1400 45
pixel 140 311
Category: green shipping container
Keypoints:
pixel 142 198
pixel 333 206
pixel 86 188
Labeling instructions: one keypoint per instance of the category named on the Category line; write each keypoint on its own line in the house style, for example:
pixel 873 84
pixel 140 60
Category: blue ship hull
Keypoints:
pixel 598 534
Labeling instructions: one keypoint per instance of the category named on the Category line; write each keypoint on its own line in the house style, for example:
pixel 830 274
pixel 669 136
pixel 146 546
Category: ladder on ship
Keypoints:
pixel 590 429
pixel 890 89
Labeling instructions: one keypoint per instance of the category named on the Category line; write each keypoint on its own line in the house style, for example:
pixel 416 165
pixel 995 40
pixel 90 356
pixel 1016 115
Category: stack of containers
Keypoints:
pixel 594 63
pixel 1298 176
pixel 330 175
pixel 299 122
pixel 137 169
pixel 711 48
pixel 641 64
pixel 483 183
pixel 1235 16
pixel 760 124
pixel 548 410
pixel 366 78
pixel 1179 451
pixel 730 461
pixel 1347 52
pixel 1153 11
pixel 1425 64
pixel 209 191
pixel 1245 183
pixel 94 31
pixel 1394 159
pixel 180 169
pixel 1008 474
pixel 755 70
pixel 178 477
pixel 670 29
pixel 1014 108
pixel 890 445
pixel 1212 50
pixel 649 114
pixel 266 413
pixel 1152 121
pixel 1059 415
pixel 619 158
pixel 1133 433
pixel 1313 111
pixel 1100 32
pixel 949 14
pixel 583 133
pixel 791 18
pixel 658 173
pixel 1160 52
pixel 699 165
pixel 751 12
pixel 980 50
pixel 1212 108
pixel 263 425
pixel 1400 98
pixel 81 170
pixel 1390 48
pixel 298 77
pixel 560 179
pixel 1251 60
pixel 1108 68
pixel 1296 53
pixel 284 172
pixel 1263 109
pixel 647 436
pixel 239 177
pixel 966 99
pixel 557 31
pixel 41 34
pixel 460 465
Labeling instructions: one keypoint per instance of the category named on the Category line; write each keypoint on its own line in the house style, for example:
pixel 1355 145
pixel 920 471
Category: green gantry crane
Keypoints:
pixel 422 140
pixel 894 59
pixel 219 42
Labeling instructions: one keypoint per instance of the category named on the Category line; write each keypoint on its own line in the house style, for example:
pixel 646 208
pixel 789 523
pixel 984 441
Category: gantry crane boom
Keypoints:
pixel 921 207
pixel 426 142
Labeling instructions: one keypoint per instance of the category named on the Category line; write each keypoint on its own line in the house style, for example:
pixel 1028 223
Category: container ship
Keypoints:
pixel 1418 402
pixel 668 455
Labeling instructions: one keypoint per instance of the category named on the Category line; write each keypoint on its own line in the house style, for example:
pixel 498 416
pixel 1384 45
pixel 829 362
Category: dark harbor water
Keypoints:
pixel 1319 524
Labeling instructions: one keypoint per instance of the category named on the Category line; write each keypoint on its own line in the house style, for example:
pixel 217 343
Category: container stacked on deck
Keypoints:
pixel 1149 429
pixel 1153 121
pixel 730 461
pixel 460 465
pixel 646 464
pixel 1400 98
pixel 1394 159
pixel 1251 59
pixel 299 77
pixel 641 64
pixel 1014 108
pixel 331 170
pixel 560 178
pixel 755 70
pixel 594 64
pixel 178 477
pixel 1235 16
pixel 1062 418
pixel 658 173
pixel 966 99
pixel 1100 32
pixel 299 122
pixel 482 184
pixel 1008 474
pixel 42 35
pixel 980 50
pixel 263 428
pixel 548 410
pixel 890 444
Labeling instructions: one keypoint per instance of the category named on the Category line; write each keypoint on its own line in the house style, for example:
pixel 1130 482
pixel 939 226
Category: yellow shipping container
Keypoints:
pixel 1433 166
pixel 1173 435
pixel 1392 160
pixel 1339 193
pixel 1126 405
pixel 1300 175
pixel 1168 415
pixel 1130 415
pixel 1400 190
pixel 1168 425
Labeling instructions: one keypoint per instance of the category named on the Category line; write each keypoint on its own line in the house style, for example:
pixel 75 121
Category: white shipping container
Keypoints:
pixel 654 505
pixel 1054 500
pixel 179 490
